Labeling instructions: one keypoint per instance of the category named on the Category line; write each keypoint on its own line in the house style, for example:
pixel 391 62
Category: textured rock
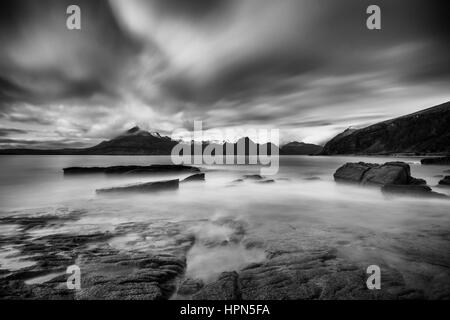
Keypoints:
pixel 225 288
pixel 388 173
pixel 352 172
pixel 143 187
pixel 195 177
pixel 190 286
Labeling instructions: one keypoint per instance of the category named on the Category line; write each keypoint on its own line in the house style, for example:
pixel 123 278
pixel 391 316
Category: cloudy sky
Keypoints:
pixel 310 68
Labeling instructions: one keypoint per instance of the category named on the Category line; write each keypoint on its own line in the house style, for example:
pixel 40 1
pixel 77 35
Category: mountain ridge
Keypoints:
pixel 423 132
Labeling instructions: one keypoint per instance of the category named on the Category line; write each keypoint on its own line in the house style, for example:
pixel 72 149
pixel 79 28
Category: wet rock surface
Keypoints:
pixel 156 168
pixel 155 260
pixel 143 187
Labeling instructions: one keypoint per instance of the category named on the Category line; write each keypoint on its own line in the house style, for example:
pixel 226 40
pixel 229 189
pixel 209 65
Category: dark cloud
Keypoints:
pixel 4 132
pixel 305 65
pixel 43 62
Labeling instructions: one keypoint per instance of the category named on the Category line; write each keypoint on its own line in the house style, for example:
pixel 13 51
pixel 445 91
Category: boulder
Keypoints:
pixel 144 187
pixel 352 172
pixel 393 177
pixel 436 161
pixel 195 177
pixel 388 173
pixel 445 181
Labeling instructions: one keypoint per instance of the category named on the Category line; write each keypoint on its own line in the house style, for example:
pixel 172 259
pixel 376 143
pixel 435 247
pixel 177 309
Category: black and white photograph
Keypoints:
pixel 225 150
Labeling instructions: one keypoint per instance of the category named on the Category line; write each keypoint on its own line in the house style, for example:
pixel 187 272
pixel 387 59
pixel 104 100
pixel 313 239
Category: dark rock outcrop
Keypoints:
pixel 436 161
pixel 155 168
pixel 253 177
pixel 445 181
pixel 422 132
pixel 393 177
pixel 195 177
pixel 363 173
pixel 144 187
pixel 411 190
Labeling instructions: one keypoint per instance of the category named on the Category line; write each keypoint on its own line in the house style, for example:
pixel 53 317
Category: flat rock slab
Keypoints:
pixel 436 161
pixel 412 190
pixel 144 187
pixel 156 168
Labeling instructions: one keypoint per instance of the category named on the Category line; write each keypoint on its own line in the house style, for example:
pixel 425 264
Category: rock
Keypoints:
pixel 394 178
pixel 436 161
pixel 190 286
pixel 195 177
pixel 352 172
pixel 417 181
pixel 375 174
pixel 225 288
pixel 253 177
pixel 156 168
pixel 388 173
pixel 445 181
pixel 312 178
pixel 412 190
pixel 266 181
pixel 144 187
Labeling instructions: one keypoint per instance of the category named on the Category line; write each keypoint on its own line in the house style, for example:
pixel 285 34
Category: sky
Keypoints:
pixel 309 68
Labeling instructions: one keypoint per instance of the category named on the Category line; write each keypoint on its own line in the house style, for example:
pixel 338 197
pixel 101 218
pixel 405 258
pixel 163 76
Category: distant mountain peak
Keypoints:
pixel 137 131
pixel 134 129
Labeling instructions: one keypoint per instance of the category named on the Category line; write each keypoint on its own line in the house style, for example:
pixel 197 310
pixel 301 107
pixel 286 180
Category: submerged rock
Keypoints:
pixel 156 168
pixel 195 177
pixel 445 181
pixel 436 161
pixel 144 187
pixel 266 181
pixel 253 177
pixel 412 190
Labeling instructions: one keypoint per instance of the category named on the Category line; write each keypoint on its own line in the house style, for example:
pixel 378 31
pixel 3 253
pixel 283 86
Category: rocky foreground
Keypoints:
pixel 297 264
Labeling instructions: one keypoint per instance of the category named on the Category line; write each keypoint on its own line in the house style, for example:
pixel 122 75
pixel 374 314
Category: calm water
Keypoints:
pixel 407 233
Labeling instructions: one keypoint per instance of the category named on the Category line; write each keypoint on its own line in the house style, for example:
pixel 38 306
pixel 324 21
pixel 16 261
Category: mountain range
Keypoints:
pixel 140 142
pixel 423 132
